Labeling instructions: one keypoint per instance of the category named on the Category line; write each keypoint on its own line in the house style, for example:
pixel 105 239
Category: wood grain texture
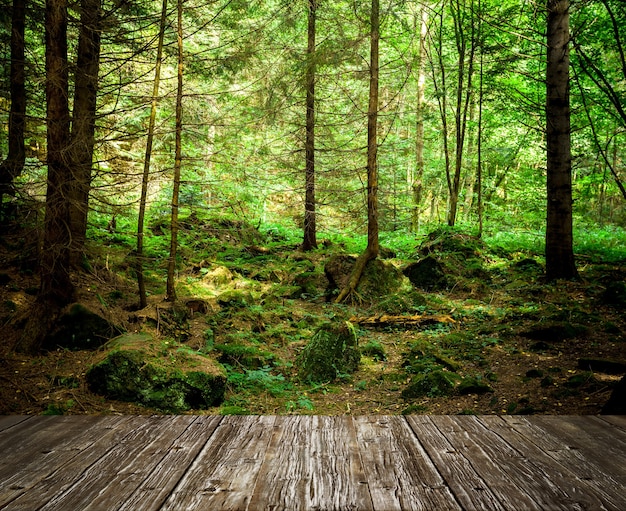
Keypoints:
pixel 312 463
pixel 400 473
pixel 224 473
pixel 292 463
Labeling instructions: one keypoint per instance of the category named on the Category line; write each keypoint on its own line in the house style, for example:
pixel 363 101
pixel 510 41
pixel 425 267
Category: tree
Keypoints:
pixel 310 235
pixel 559 228
pixel 56 288
pixel 373 247
pixel 171 266
pixel 84 122
pixel 143 301
pixel 13 165
pixel 417 184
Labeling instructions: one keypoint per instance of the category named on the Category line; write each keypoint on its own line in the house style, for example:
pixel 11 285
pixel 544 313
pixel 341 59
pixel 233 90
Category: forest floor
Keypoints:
pixel 511 343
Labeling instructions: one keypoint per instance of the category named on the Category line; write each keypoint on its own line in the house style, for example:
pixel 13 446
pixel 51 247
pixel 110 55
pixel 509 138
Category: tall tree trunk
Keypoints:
pixel 13 165
pixel 373 247
pixel 56 289
pixel 310 229
pixel 171 267
pixel 479 143
pixel 143 301
pixel 417 184
pixel 559 237
pixel 463 98
pixel 84 123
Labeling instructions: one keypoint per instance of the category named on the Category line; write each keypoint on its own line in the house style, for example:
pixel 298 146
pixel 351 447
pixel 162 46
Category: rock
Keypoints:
pixel 331 352
pixel 218 276
pixel 616 405
pixel 379 279
pixel 436 383
pixel 555 332
pixel 615 294
pixel 337 270
pixel 167 376
pixel 235 298
pixel 80 328
pixel 598 365
pixel 528 265
pixel 427 274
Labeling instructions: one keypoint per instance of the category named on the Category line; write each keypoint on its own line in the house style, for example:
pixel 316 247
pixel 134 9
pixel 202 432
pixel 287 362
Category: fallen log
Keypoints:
pixel 382 320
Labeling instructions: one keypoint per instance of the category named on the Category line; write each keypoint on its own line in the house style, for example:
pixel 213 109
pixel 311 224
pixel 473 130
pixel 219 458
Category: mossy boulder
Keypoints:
pixel 158 374
pixel 80 327
pixel 435 383
pixel 427 274
pixel 235 298
pixel 332 352
pixel 379 279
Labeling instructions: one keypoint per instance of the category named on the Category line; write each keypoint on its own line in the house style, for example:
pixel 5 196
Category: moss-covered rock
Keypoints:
pixel 427 274
pixel 331 352
pixel 379 279
pixel 166 376
pixel 80 328
pixel 432 384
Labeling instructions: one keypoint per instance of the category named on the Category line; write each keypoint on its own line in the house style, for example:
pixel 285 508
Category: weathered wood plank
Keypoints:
pixel 53 471
pixel 467 485
pixel 155 489
pixel 548 483
pixel 486 453
pixel 597 488
pixel 252 463
pixel 109 481
pixel 616 420
pixel 32 449
pixel 400 474
pixel 312 463
pixel 9 421
pixel 225 471
pixel 602 446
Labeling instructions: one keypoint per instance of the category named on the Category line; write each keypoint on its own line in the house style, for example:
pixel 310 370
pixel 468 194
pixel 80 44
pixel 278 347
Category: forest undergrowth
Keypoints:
pixel 512 343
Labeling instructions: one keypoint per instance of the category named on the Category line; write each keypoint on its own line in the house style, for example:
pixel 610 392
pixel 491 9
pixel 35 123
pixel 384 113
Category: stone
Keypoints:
pixel 332 351
pixel 80 328
pixel 426 274
pixel 380 278
pixel 159 374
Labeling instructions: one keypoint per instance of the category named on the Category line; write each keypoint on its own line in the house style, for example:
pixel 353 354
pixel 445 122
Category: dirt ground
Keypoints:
pixel 526 376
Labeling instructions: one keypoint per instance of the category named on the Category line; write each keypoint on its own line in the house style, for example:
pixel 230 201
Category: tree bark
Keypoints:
pixel 310 228
pixel 84 123
pixel 463 98
pixel 13 165
pixel 559 226
pixel 56 289
pixel 373 247
pixel 143 301
pixel 417 184
pixel 171 267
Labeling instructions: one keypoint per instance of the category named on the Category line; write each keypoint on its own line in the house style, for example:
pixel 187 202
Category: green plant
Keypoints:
pixel 58 408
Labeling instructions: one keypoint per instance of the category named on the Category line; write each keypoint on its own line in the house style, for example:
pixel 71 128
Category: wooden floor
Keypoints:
pixel 434 463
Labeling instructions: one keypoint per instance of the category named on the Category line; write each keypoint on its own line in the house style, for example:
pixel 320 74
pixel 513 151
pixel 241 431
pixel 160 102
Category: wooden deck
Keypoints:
pixel 316 463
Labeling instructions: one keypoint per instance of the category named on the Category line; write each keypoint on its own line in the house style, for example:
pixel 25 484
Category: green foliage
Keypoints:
pixel 375 350
pixel 254 381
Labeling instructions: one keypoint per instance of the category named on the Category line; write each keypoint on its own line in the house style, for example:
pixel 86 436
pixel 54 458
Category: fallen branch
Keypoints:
pixel 383 320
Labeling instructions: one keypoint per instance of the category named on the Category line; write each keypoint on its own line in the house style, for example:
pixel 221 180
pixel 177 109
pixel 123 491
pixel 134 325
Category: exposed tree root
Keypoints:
pixel 349 290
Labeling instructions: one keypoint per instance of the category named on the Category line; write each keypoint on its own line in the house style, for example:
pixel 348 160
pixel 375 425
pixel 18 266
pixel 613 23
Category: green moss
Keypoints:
pixel 333 351
pixel 375 350
pixel 432 384
pixel 166 377
pixel 473 385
